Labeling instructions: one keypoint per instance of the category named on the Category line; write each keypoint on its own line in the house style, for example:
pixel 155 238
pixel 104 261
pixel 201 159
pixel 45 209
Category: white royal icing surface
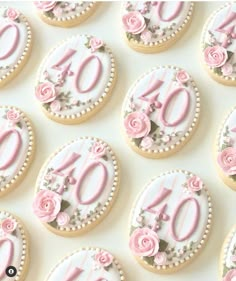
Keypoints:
pixel 85 259
pixel 165 137
pixel 89 186
pixel 8 144
pixel 177 182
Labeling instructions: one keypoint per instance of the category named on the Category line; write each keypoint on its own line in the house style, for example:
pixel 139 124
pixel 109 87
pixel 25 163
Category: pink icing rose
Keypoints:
pixel 227 160
pixel 45 6
pixel 98 150
pixel 13 116
pixel 134 22
pixel 147 142
pixel 182 76
pixel 215 56
pixel 227 69
pixel 194 184
pixel 160 258
pixel 8 226
pixel 230 275
pixel 57 11
pixel 12 14
pixel 55 106
pixel 146 36
pixel 63 219
pixel 95 44
pixel 144 242
pixel 137 124
pixel 104 258
pixel 47 205
pixel 46 92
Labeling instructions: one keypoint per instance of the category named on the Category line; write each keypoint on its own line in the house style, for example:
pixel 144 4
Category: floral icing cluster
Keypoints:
pixel 104 260
pixel 139 126
pixel 145 242
pixel 50 93
pixel 7 226
pixel 229 272
pixel 218 57
pixel 12 15
pixel 13 117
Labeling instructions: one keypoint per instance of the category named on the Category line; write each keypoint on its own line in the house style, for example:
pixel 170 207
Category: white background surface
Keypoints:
pixel 46 248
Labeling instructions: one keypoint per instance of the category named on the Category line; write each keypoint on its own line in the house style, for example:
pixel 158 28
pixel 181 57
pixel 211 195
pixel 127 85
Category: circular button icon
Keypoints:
pixel 11 271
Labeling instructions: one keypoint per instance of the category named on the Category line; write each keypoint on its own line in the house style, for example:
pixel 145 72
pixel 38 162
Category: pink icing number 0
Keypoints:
pixel 8 257
pixel 75 272
pixel 161 215
pixel 15 40
pixel 178 8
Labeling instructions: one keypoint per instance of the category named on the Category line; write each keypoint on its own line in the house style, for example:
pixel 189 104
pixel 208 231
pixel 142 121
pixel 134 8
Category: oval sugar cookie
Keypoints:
pixel 218 44
pixel 63 13
pixel 14 248
pixel 161 111
pixel 75 79
pixel 93 264
pixel 228 257
pixel 170 221
pixel 226 150
pixel 16 147
pixel 77 187
pixel 152 26
pixel 15 43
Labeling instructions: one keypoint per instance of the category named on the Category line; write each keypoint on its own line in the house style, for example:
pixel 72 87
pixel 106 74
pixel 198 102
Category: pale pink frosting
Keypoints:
pixel 134 22
pixel 227 160
pixel 95 44
pixel 137 124
pixel 12 14
pixel 8 226
pixel 57 11
pixel 146 36
pixel 13 116
pixel 146 142
pixel 55 106
pixel 160 258
pixel 63 219
pixel 194 184
pixel 45 6
pixel 215 56
pixel 144 242
pixel 227 69
pixel 230 275
pixel 47 205
pixel 98 150
pixel 104 258
pixel 46 92
pixel 182 76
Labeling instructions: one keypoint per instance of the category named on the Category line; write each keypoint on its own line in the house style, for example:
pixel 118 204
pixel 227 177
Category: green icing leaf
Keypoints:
pixel 101 49
pixel 233 177
pixel 53 224
pixel 49 14
pixel 14 233
pixel 154 127
pixel 19 125
pixel 147 21
pixel 225 270
pixel 224 146
pixel 229 55
pixel 108 267
pixel 105 157
pixel 137 141
pixel 198 192
pixel 218 70
pixel 64 205
pixel 132 229
pixel 149 260
pixel 162 245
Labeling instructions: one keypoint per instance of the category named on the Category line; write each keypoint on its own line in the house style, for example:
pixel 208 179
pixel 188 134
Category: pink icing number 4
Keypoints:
pixel 66 70
pixel 161 215
pixel 8 257
pixel 75 272
pixel 15 40
pixel 178 8
pixel 100 184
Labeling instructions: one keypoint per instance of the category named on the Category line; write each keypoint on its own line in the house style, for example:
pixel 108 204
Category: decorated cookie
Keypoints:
pixel 161 111
pixel 228 257
pixel 65 14
pixel 219 44
pixel 75 79
pixel 153 26
pixel 93 264
pixel 16 147
pixel 170 221
pixel 14 248
pixel 15 43
pixel 77 187
pixel 226 150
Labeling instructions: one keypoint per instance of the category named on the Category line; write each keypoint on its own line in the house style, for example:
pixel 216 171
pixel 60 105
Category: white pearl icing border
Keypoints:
pixel 104 95
pixel 204 236
pixel 226 245
pixel 227 78
pixel 71 18
pixel 191 128
pixel 174 34
pixel 117 264
pixel 25 243
pixel 26 49
pixel 30 149
pixel 114 188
